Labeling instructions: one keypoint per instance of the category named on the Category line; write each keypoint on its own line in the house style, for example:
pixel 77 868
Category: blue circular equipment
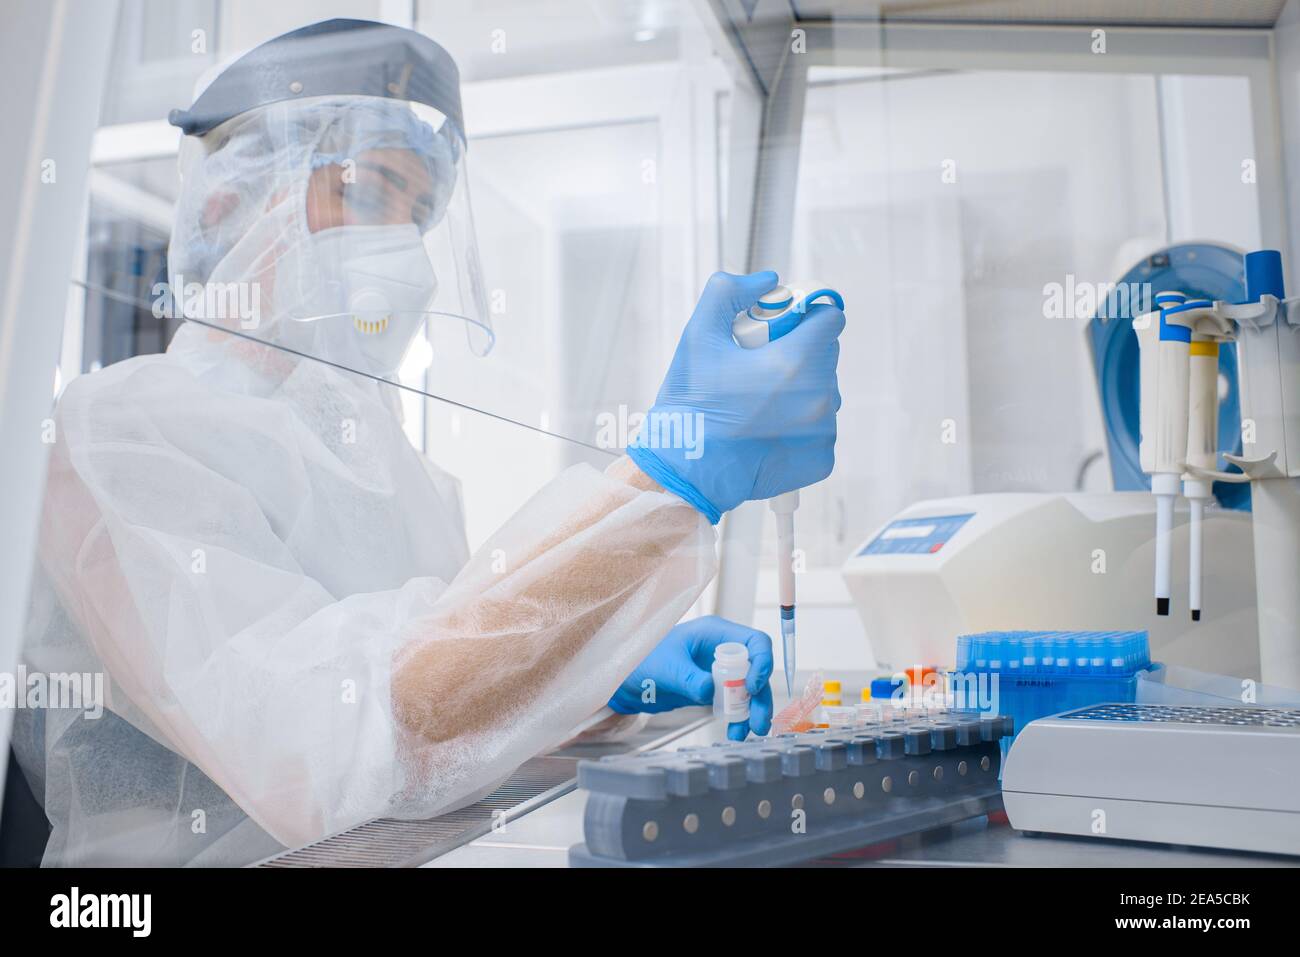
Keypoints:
pixel 1200 271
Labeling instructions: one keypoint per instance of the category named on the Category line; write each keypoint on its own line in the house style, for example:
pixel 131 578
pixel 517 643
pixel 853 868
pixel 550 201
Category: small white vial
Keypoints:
pixel 730 696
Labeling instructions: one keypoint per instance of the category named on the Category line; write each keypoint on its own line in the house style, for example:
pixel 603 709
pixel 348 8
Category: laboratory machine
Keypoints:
pixel 1065 561
pixel 1225 777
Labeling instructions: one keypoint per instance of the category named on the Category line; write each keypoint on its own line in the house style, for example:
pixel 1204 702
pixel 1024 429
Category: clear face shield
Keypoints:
pixel 341 221
pixel 389 247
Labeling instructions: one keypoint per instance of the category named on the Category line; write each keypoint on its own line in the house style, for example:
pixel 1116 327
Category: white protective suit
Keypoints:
pixel 277 585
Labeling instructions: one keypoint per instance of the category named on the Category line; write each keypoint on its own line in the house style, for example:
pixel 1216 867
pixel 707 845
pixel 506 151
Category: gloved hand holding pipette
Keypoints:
pixel 761 421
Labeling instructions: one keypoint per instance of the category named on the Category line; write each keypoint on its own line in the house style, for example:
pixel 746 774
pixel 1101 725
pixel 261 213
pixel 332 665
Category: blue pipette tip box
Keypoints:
pixel 1033 674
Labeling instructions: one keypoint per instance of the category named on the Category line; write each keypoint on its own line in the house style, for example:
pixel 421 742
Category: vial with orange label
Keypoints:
pixel 730 696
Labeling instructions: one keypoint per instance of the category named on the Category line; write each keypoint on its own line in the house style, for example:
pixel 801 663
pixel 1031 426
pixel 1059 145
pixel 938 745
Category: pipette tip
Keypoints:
pixel 1162 606
pixel 787 646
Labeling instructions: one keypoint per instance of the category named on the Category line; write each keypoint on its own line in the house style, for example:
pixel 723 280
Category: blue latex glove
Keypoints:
pixel 733 424
pixel 678 674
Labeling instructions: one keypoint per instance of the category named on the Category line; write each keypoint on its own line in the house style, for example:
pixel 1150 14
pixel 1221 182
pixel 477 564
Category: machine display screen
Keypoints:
pixel 916 536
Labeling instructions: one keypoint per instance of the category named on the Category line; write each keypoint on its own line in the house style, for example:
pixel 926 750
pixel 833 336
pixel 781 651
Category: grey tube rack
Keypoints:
pixel 791 797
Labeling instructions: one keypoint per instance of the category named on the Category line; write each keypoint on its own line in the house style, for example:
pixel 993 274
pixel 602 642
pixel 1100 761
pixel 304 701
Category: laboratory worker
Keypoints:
pixel 275 585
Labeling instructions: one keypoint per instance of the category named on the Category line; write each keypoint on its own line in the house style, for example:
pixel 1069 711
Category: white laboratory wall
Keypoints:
pixel 1211 166
pixel 569 239
pixel 597 205
pixel 242 24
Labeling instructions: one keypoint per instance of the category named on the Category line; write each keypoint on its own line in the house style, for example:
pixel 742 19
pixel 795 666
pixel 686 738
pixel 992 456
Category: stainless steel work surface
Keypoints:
pixel 977 843
pixel 542 838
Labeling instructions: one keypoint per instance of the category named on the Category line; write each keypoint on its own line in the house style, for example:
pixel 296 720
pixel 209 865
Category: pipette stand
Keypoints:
pixel 1268 336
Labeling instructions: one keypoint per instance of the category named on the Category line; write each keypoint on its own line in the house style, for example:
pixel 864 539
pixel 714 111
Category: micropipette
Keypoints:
pixel 1163 373
pixel 1208 330
pixel 1202 442
pixel 775 314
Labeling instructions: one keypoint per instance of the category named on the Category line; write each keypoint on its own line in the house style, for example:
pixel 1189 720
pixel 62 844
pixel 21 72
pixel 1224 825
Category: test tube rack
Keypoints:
pixel 791 797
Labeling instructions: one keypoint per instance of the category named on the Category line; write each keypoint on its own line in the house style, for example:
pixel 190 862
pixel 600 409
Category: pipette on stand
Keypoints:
pixel 1201 457
pixel 1163 383
pixel 1202 442
pixel 1179 434
pixel 776 313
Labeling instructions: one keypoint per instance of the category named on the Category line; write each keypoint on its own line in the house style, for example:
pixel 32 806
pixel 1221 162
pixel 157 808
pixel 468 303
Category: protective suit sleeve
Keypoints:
pixel 536 614
pixel 313 712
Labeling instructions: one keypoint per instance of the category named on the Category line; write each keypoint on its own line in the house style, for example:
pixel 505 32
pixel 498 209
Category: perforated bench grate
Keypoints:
pixel 392 843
